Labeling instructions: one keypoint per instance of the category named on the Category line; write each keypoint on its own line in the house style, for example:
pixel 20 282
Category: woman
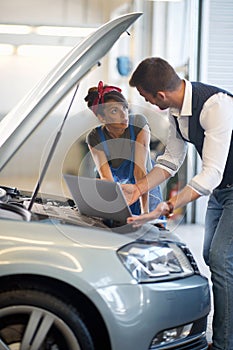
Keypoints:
pixel 120 145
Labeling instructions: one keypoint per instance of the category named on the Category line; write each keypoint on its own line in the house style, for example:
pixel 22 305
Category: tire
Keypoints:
pixel 36 320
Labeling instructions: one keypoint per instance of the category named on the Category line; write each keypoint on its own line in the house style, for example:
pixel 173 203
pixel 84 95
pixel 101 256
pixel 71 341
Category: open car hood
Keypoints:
pixel 18 124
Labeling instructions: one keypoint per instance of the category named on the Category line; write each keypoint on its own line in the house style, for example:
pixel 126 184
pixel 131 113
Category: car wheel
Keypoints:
pixel 36 320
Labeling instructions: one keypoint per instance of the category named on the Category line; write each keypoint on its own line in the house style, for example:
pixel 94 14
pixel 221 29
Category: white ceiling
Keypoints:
pixel 58 12
pixel 91 13
pixel 19 74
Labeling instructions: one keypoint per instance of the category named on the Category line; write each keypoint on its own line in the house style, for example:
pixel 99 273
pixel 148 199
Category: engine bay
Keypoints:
pixel 14 206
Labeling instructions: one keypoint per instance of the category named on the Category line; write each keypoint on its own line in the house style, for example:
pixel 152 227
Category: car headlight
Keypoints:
pixel 155 261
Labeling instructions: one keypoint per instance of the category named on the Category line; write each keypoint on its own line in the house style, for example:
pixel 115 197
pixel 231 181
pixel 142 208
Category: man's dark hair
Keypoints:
pixel 154 74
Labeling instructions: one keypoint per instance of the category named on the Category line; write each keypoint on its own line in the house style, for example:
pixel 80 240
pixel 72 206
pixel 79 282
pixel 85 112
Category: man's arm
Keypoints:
pixel 154 178
pixel 186 195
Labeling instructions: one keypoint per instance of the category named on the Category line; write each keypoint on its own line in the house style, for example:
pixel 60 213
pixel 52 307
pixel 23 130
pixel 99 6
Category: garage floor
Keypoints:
pixel 193 235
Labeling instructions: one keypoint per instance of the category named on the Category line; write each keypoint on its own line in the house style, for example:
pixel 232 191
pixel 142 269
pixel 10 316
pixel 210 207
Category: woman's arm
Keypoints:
pixel 142 149
pixel 101 163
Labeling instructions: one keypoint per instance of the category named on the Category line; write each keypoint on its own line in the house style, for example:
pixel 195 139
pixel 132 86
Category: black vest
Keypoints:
pixel 200 94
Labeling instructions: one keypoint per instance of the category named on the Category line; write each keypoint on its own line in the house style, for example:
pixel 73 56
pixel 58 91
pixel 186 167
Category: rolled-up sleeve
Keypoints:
pixel 175 150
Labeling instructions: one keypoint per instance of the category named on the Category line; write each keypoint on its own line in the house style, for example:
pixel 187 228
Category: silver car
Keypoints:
pixel 72 282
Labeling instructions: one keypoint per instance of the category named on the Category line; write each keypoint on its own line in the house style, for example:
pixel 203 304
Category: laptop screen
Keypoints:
pixel 98 198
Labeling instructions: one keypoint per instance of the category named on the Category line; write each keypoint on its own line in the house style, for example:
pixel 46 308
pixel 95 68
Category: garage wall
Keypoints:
pixel 217 38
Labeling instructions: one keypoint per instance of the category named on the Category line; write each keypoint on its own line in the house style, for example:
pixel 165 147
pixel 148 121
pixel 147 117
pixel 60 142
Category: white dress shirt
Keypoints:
pixel 216 118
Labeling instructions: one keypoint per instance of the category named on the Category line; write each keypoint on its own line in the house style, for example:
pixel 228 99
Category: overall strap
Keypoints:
pixel 103 140
pixel 131 132
pixel 132 142
pixel 131 128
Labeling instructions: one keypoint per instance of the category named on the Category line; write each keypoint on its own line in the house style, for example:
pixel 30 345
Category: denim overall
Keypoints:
pixel 125 172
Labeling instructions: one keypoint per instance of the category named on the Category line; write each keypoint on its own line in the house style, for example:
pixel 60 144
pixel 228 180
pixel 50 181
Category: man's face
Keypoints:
pixel 159 99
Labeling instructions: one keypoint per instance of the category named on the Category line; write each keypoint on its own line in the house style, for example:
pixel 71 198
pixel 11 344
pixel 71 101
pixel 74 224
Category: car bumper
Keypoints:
pixel 136 315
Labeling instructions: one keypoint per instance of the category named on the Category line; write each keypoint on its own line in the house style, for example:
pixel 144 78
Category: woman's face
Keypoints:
pixel 116 114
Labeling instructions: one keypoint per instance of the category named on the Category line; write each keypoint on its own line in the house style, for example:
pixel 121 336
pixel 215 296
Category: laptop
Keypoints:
pixel 98 198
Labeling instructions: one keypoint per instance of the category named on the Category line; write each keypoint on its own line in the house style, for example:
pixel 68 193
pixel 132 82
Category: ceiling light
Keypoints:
pixel 64 31
pixel 80 32
pixel 166 0
pixel 42 50
pixel 14 29
pixel 6 49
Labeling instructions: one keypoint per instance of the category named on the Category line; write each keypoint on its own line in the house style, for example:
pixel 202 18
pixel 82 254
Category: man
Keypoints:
pixel 203 115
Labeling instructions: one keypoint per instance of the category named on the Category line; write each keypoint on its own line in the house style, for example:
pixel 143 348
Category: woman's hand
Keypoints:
pixel 131 193
pixel 162 208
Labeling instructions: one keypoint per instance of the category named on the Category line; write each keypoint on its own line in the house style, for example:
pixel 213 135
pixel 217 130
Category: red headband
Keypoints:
pixel 102 90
